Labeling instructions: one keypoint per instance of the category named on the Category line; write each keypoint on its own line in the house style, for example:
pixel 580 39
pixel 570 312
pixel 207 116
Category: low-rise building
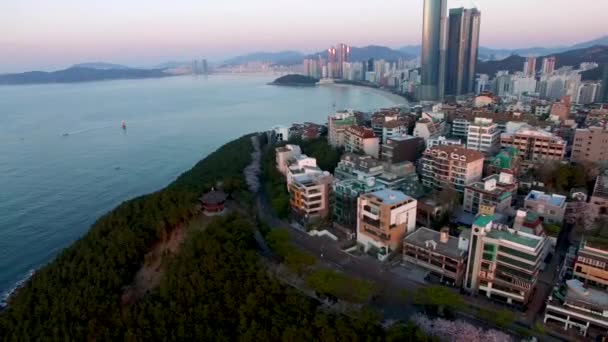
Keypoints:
pixel 550 207
pixel 507 160
pixel 451 166
pixel 590 145
pixel 578 307
pixel 353 165
pixel 495 191
pixel 402 148
pixel 281 133
pixel 299 165
pixel 336 126
pixel 442 140
pixel 345 195
pixel 384 218
pixel 361 140
pixel 284 154
pixel 429 129
pixel 503 263
pixel 591 265
pixel 535 144
pixel 444 256
pixel 393 128
pixel 309 196
pixel 599 198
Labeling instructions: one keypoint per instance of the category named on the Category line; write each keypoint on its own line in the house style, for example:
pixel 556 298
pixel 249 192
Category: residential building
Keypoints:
pixel 402 148
pixel 442 255
pixel 345 195
pixel 384 218
pixel 360 139
pixel 587 93
pixel 434 46
pixel 590 145
pixel 483 136
pixel 300 165
pixel 495 191
pixel 591 266
pixel 463 43
pixel 603 96
pixel 284 154
pixel 442 140
pixel 353 165
pixel 530 66
pixel 561 110
pixel 393 128
pixel 337 125
pixel 535 144
pixel 281 133
pixel 503 264
pixel 429 129
pixel 548 66
pixel 550 207
pixel 309 196
pixel 507 160
pixel 599 197
pixel 580 308
pixel 451 166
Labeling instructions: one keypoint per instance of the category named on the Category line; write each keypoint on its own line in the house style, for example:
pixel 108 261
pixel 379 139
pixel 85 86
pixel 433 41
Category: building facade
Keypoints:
pixel 463 44
pixel 309 196
pixel 345 195
pixel 337 125
pixel 535 144
pixel 503 264
pixel 494 191
pixel 483 136
pixel 360 139
pixel 451 167
pixel 384 218
pixel 434 46
pixel 590 145
pixel 402 148
pixel 550 207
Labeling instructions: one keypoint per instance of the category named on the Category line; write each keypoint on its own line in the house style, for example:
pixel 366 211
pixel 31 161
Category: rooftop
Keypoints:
pixel 577 292
pixel 512 236
pixel 471 155
pixel 421 236
pixel 390 197
pixel 363 132
pixel 483 220
pixel 551 199
pixel 402 138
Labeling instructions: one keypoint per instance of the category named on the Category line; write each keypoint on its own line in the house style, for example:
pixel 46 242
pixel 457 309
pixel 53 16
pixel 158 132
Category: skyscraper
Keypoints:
pixel 530 66
pixel 604 90
pixel 548 65
pixel 343 56
pixel 433 40
pixel 463 43
pixel 331 62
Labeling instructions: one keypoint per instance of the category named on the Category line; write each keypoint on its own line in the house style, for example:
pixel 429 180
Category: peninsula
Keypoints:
pixel 295 80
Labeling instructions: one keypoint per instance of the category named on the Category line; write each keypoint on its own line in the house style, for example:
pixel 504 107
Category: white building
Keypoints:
pixel 284 154
pixel 443 141
pixel 281 133
pixel 483 136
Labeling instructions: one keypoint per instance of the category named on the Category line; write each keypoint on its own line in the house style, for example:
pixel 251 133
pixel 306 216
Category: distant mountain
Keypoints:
pixel 101 66
pixel 172 65
pixel 78 74
pixel 282 57
pixel 485 53
pixel 598 54
pixel 359 54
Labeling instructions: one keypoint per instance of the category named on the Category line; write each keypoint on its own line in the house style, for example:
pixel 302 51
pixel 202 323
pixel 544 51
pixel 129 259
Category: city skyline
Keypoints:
pixel 63 33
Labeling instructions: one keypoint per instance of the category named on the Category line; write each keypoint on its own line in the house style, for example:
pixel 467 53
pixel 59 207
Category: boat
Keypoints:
pixel 65 134
pixel 124 125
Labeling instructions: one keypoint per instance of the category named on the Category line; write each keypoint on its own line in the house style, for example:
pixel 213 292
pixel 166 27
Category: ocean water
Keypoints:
pixel 53 187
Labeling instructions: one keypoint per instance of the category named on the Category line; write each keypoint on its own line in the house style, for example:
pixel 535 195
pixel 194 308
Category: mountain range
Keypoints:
pixel 513 63
pixel 80 74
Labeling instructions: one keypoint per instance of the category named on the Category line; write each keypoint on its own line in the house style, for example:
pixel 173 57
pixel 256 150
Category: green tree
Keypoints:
pixel 438 297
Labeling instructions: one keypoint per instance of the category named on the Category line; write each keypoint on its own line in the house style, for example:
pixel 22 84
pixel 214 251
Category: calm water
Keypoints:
pixel 53 187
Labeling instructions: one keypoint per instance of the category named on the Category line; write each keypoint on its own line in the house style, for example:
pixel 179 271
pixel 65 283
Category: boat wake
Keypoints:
pixel 6 295
pixel 83 131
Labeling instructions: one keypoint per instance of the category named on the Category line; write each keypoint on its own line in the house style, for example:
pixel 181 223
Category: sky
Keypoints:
pixel 52 34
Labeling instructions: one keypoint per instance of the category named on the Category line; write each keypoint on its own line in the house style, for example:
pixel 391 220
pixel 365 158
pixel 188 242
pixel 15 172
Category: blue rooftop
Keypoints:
pixel 391 197
pixel 551 199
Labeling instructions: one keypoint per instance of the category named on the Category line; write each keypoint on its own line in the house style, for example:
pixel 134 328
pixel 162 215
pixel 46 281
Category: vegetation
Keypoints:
pixel 340 285
pixel 561 178
pixel 294 79
pixel 297 260
pixel 552 230
pixel 327 157
pixel 274 183
pixel 438 300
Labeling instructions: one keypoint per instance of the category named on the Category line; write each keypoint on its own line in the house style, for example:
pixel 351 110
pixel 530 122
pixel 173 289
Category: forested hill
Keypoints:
pixel 79 74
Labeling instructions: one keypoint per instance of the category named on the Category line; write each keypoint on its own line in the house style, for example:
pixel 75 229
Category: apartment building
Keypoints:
pixel 337 125
pixel 574 306
pixel 550 207
pixel 503 263
pixel 483 136
pixel 429 129
pixel 353 165
pixel 442 140
pixel 462 119
pixel 285 153
pixel 384 218
pixel 309 196
pixel 300 165
pixel 591 266
pixel 361 140
pixel 535 144
pixel 581 303
pixel 402 148
pixel 393 128
pixel 590 145
pixel 599 198
pixel 495 191
pixel 451 166
pixel 442 255
pixel 345 195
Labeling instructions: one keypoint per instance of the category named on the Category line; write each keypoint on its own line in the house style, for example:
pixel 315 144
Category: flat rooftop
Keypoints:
pixel 422 235
pixel 390 197
pixel 551 199
pixel 519 239
pixel 577 292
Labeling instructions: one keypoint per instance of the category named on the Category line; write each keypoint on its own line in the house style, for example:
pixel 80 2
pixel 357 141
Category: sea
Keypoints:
pixel 65 160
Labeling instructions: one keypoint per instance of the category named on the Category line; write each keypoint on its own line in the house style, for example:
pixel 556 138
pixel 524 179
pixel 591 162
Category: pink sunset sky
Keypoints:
pixel 42 34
